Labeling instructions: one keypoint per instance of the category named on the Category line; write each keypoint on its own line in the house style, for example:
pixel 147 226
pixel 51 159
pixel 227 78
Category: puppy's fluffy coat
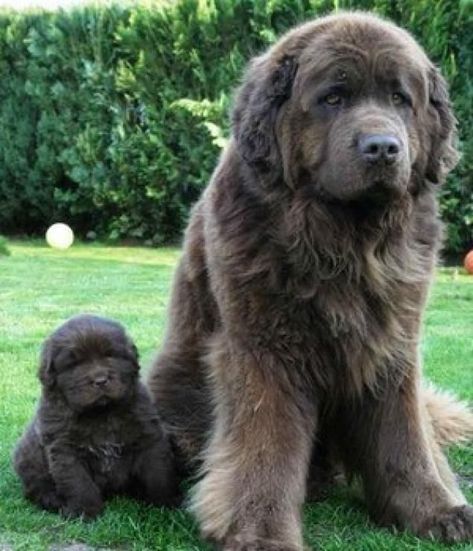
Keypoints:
pixel 95 432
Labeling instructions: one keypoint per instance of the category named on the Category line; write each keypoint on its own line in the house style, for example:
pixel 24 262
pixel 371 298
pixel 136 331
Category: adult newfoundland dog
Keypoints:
pixel 297 305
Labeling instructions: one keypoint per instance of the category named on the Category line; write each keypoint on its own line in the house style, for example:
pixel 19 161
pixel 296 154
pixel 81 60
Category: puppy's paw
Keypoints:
pixel 453 526
pixel 87 509
pixel 51 502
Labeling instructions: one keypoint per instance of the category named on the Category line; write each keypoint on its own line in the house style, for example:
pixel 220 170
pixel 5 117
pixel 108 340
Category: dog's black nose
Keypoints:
pixel 376 148
pixel 102 380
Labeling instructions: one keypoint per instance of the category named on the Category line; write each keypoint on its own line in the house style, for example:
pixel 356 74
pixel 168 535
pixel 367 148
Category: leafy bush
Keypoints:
pixel 112 118
pixel 4 250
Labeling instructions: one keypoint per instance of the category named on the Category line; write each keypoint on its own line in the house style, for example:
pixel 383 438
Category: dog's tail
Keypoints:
pixel 452 419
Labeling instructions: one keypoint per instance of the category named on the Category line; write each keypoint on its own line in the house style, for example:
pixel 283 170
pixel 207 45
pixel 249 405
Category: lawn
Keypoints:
pixel 39 288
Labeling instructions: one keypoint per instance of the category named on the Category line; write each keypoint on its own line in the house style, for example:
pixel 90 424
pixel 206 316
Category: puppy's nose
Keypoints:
pixel 377 148
pixel 101 380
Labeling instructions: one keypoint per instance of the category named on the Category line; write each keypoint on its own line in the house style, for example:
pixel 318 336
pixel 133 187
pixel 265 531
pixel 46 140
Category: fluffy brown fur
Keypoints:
pixel 297 305
pixel 451 419
pixel 96 432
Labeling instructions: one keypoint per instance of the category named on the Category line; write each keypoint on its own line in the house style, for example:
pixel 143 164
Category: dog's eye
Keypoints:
pixel 399 99
pixel 333 99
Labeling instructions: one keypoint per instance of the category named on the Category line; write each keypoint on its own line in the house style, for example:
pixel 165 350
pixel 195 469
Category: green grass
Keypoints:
pixel 39 288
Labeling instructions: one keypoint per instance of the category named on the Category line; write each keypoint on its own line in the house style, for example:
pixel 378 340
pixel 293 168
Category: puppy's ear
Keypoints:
pixel 443 155
pixel 267 85
pixel 132 353
pixel 135 352
pixel 47 371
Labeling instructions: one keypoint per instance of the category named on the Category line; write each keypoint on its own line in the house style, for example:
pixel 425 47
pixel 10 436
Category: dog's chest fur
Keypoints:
pixel 338 335
pixel 337 299
pixel 106 455
pixel 344 329
pixel 105 442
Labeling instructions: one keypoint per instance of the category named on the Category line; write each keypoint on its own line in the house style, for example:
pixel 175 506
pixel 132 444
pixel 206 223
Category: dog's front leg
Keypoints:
pixel 407 481
pixel 257 459
pixel 81 495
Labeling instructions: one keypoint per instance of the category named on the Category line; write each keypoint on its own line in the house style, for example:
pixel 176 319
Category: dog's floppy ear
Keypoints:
pixel 132 352
pixel 267 85
pixel 443 155
pixel 47 372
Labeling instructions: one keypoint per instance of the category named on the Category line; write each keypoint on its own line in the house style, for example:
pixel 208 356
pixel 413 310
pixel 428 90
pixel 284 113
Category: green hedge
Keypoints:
pixel 4 250
pixel 112 118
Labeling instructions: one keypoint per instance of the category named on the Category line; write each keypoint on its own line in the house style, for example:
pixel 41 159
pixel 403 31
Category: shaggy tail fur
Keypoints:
pixel 452 420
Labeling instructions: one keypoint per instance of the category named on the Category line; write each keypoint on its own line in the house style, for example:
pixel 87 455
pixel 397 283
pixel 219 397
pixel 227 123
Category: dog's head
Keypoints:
pixel 348 105
pixel 90 361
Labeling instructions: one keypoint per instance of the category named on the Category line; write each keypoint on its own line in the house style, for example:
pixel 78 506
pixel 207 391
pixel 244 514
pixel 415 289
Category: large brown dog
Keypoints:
pixel 297 304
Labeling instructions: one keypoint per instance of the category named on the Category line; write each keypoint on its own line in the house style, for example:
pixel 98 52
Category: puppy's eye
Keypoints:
pixel 399 99
pixel 332 99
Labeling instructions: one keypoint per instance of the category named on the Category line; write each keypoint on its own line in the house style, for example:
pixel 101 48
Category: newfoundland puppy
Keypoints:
pixel 95 432
pixel 297 307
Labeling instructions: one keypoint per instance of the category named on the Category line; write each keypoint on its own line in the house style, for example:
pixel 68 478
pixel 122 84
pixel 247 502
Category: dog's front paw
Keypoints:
pixel 452 526
pixel 51 502
pixel 87 509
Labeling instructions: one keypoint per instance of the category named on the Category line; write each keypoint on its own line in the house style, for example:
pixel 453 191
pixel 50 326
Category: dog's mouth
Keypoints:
pixel 382 191
pixel 102 401
pixel 111 394
pixel 380 186
pixel 89 404
pixel 371 196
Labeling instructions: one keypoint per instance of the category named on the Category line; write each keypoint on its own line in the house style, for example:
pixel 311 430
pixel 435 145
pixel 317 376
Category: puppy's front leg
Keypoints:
pixel 81 495
pixel 154 468
pixel 257 459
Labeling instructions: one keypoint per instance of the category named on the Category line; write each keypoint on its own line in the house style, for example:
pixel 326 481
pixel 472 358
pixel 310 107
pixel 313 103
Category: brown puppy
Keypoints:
pixel 96 432
pixel 297 305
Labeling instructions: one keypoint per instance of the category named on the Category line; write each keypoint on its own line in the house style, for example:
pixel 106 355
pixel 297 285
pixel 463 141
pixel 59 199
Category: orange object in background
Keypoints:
pixel 468 262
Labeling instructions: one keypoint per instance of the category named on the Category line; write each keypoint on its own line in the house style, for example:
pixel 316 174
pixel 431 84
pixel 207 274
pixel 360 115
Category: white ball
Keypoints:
pixel 59 236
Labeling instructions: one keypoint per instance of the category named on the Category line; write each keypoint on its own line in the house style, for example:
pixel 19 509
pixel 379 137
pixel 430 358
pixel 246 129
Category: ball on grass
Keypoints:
pixel 468 262
pixel 59 236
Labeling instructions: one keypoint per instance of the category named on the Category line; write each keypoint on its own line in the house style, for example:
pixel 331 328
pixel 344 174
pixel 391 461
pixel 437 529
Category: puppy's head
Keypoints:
pixel 90 361
pixel 348 106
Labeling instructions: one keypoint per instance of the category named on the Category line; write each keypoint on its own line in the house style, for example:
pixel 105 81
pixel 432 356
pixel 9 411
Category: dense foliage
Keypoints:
pixel 111 118
pixel 4 250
